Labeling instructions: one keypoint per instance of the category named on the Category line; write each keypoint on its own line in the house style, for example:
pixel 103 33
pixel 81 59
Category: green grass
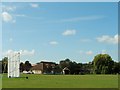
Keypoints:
pixel 62 81
pixel 0 81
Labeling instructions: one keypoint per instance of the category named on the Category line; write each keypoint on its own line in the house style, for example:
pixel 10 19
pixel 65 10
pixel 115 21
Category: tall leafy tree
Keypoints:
pixel 22 67
pixel 65 63
pixel 116 68
pixel 4 64
pixel 103 64
pixel 27 66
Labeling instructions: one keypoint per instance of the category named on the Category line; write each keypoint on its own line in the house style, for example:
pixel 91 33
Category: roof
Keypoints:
pixel 47 62
pixel 34 64
pixel 37 67
pixel 66 69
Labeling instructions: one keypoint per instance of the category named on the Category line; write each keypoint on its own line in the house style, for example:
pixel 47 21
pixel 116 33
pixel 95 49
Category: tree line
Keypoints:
pixel 101 64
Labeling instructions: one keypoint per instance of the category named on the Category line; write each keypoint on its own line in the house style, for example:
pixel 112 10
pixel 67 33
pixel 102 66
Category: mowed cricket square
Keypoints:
pixel 59 45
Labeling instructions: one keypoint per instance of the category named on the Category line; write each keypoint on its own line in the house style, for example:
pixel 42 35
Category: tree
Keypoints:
pixel 27 66
pixel 65 63
pixel 22 67
pixel 116 68
pixel 103 64
pixel 71 65
pixel 57 69
pixel 0 66
pixel 4 64
pixel 87 68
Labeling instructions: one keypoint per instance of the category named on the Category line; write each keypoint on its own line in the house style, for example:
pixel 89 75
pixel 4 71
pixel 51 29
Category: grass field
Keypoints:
pixel 0 81
pixel 61 81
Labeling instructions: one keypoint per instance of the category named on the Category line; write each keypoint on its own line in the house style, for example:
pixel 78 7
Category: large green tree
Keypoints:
pixel 4 64
pixel 103 64
pixel 116 68
pixel 22 67
pixel 27 65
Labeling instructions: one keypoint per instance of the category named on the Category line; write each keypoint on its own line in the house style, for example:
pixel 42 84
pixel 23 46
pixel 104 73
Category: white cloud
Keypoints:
pixel 7 17
pixel 69 32
pixel 22 52
pixel 25 16
pixel 26 52
pixel 77 19
pixel 109 39
pixel 89 53
pixel 8 8
pixel 53 43
pixel 82 18
pixel 34 5
pixel 6 13
pixel 20 15
pixel 8 53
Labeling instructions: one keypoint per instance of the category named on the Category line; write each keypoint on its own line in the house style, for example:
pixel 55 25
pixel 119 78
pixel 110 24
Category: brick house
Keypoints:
pixel 43 68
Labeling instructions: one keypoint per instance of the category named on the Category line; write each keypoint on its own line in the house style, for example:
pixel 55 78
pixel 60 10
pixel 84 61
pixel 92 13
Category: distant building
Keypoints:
pixel 43 68
pixel 66 71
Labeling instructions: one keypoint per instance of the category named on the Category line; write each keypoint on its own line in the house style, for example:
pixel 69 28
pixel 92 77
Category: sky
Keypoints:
pixel 60 0
pixel 52 31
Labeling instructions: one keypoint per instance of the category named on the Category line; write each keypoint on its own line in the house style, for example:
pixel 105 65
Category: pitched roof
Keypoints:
pixel 37 67
pixel 47 62
pixel 66 69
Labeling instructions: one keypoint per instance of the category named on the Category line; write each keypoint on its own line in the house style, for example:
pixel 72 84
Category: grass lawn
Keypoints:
pixel 61 81
pixel 0 81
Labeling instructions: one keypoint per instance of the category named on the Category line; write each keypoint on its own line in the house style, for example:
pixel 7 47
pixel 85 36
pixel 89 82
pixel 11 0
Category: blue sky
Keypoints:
pixel 56 31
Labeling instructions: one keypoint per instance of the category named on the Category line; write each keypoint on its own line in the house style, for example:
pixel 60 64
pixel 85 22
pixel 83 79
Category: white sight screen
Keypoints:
pixel 14 65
